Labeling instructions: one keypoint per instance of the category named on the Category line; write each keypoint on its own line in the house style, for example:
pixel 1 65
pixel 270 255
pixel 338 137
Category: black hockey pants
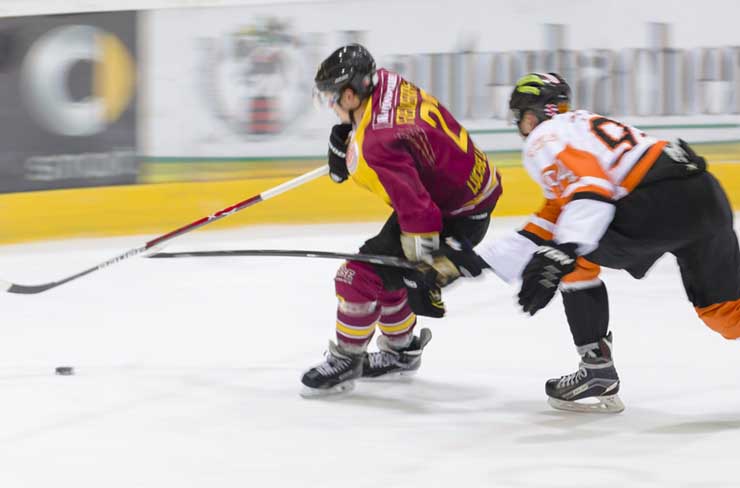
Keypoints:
pixel 388 241
pixel 692 219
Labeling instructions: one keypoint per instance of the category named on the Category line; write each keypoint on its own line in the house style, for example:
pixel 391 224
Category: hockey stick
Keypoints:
pixel 282 188
pixel 299 253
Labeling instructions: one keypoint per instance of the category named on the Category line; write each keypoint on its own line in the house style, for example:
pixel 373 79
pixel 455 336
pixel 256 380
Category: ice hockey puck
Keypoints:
pixel 65 370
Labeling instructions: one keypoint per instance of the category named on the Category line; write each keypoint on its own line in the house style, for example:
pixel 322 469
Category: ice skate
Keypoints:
pixel 594 387
pixel 334 376
pixel 390 363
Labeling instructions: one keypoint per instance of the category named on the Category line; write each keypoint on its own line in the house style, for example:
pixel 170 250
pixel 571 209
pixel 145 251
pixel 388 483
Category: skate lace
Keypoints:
pixel 381 359
pixel 573 378
pixel 333 365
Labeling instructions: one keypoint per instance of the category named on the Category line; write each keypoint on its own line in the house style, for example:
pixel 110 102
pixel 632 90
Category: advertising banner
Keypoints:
pixel 237 85
pixel 228 84
pixel 68 111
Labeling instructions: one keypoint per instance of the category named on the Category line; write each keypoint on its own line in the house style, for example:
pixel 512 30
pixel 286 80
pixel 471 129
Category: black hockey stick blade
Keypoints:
pixel 299 253
pixel 33 289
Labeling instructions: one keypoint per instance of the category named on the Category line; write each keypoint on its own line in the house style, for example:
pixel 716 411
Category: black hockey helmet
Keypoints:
pixel 545 94
pixel 350 66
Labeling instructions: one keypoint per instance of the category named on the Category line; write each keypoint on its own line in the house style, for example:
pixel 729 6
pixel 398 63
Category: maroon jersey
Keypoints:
pixel 410 150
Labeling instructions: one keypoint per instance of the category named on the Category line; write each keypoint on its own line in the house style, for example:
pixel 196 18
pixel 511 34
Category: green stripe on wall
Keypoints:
pixel 642 127
pixel 174 169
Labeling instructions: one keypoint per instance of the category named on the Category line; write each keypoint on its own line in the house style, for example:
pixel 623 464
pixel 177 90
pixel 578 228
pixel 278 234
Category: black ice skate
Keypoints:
pixel 388 362
pixel 594 387
pixel 335 375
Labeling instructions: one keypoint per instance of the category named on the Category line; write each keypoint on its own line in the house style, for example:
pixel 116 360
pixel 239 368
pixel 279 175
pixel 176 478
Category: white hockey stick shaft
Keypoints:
pixel 267 194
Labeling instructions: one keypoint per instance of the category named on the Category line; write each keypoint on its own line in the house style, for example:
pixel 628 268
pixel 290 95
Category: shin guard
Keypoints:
pixel 358 288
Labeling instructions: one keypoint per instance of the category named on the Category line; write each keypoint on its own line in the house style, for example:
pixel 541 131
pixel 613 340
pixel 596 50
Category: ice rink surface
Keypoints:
pixel 188 376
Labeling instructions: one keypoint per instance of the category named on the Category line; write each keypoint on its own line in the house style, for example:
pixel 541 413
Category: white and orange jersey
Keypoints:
pixel 584 162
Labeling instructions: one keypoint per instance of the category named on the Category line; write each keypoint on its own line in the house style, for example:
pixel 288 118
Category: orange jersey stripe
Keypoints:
pixel 538 231
pixel 640 169
pixel 594 189
pixel 581 163
pixel 550 211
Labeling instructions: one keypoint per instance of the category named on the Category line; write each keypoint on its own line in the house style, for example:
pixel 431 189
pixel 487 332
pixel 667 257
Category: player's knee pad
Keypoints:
pixel 358 288
pixel 723 318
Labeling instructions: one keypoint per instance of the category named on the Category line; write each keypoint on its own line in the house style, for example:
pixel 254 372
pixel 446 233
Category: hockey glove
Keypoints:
pixel 694 159
pixel 419 247
pixel 338 152
pixel 455 259
pixel 542 275
pixel 424 297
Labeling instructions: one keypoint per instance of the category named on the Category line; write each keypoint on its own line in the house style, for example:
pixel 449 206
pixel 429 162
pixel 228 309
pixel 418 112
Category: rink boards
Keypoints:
pixel 157 208
pixel 174 123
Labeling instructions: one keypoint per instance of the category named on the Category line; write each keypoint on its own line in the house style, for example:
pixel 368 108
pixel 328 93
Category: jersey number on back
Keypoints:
pixel 431 114
pixel 612 133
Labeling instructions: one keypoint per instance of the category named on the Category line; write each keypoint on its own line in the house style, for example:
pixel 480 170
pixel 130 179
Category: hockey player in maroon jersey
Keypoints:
pixel 618 198
pixel 400 143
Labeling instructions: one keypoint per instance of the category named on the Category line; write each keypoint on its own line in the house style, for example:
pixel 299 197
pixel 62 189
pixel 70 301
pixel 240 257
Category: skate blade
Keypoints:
pixel 336 390
pixel 395 376
pixel 603 404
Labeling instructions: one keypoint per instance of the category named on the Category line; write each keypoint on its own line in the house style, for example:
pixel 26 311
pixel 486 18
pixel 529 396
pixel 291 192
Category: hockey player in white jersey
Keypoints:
pixel 618 198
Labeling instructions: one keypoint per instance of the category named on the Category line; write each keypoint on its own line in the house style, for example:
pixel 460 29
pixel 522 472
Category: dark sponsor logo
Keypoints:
pixel 69 86
pixel 45 75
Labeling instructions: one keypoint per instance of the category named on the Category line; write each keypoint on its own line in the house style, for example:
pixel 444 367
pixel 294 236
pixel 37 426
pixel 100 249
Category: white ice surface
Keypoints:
pixel 188 376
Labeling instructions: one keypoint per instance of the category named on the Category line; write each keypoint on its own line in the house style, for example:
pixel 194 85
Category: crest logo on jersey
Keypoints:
pixel 352 156
pixel 255 80
pixel 557 177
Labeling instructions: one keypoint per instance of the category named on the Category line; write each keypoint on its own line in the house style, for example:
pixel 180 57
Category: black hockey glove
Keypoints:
pixel 677 161
pixel 455 259
pixel 542 275
pixel 338 152
pixel 424 296
pixel 693 159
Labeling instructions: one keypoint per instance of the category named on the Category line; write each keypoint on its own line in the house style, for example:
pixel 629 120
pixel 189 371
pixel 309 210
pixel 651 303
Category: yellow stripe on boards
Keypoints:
pixel 729 176
pixel 159 208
